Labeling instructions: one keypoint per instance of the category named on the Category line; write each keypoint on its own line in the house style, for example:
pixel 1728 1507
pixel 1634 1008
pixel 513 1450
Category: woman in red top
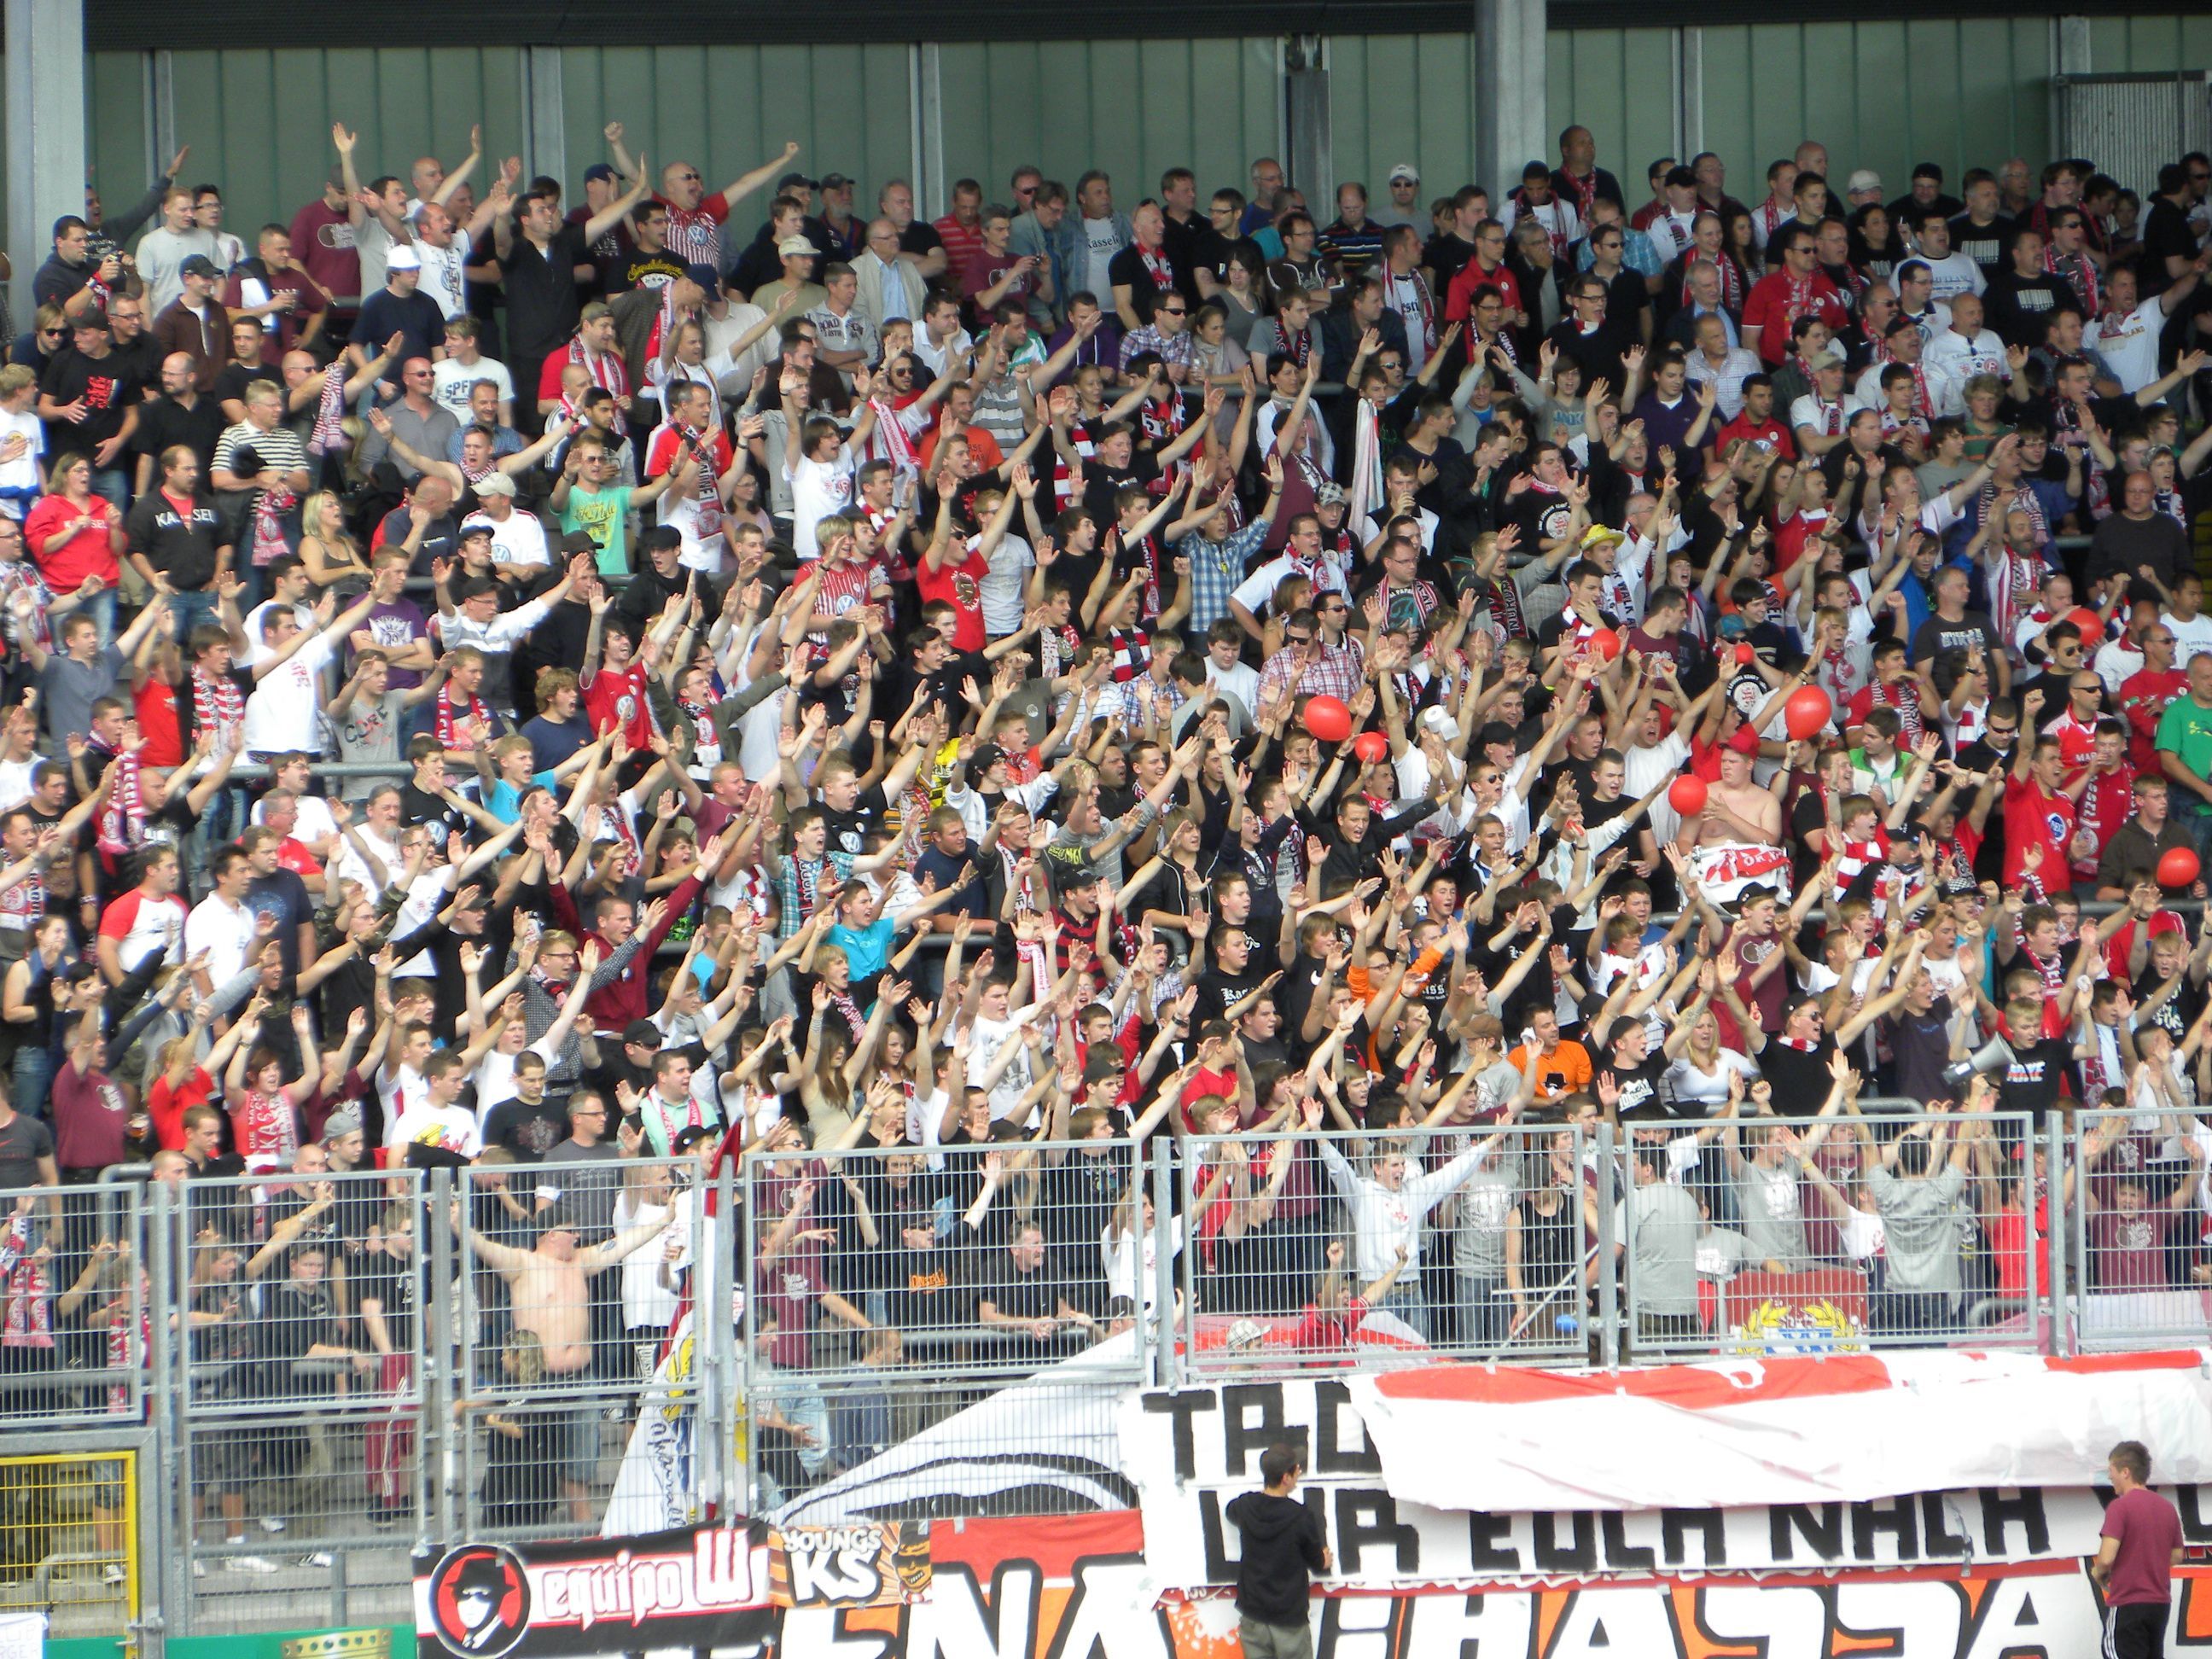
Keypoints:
pixel 73 534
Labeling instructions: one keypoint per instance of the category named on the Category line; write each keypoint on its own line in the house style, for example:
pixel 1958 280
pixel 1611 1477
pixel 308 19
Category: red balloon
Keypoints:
pixel 1371 746
pixel 1687 795
pixel 1605 643
pixel 2091 625
pixel 1744 654
pixel 2177 868
pixel 1327 719
pixel 1807 712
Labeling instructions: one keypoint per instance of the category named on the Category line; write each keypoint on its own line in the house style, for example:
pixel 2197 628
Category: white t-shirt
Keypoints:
pixel 283 711
pixel 1004 585
pixel 19 477
pixel 147 924
pixel 987 1038
pixel 2191 639
pixel 450 384
pixel 2130 343
pixel 1953 275
pixel 314 822
pixel 449 1128
pixel 224 931
pixel 1096 242
pixel 818 489
pixel 518 538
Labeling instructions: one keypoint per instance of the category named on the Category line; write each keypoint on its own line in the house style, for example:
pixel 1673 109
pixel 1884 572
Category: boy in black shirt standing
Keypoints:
pixel 1282 1545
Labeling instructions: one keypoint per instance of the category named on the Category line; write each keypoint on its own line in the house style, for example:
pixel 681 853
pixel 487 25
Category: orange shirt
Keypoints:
pixel 1565 1070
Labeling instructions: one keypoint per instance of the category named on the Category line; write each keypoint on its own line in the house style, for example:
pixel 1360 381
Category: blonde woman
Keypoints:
pixel 333 558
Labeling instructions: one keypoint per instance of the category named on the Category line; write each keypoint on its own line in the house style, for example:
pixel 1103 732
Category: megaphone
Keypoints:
pixel 1992 1057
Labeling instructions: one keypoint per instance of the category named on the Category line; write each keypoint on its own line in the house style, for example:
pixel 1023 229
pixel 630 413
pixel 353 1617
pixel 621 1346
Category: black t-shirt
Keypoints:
pixel 1937 635
pixel 163 422
pixel 643 269
pixel 1800 1077
pixel 920 239
pixel 542 305
pixel 2038 1075
pixel 2166 234
pixel 2178 1012
pixel 1128 267
pixel 1639 1089
pixel 106 386
pixel 529 1131
pixel 2019 307
pixel 283 895
pixel 395 1283
pixel 1984 245
pixel 1920 1045
pixel 179 543
pixel 418 806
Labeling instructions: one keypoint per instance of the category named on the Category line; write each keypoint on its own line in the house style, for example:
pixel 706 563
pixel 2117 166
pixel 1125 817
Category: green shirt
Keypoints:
pixel 603 515
pixel 2185 730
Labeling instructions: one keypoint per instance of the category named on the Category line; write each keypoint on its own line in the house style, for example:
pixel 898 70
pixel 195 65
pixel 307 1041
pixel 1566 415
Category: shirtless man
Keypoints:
pixel 1736 840
pixel 552 1300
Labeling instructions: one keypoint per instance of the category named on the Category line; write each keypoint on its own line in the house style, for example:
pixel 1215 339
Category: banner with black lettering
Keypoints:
pixel 1192 1450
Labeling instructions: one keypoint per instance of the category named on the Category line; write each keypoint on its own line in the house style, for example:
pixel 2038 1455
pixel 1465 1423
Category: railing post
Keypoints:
pixel 1167 1361
pixel 2059 1230
pixel 170 1529
pixel 746 1350
pixel 1608 1282
pixel 441 1423
pixel 711 1264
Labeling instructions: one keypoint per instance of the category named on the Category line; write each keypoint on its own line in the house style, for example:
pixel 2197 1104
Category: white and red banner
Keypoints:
pixel 1836 1429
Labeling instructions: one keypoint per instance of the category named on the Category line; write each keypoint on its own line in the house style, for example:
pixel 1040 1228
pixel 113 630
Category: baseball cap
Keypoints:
pixel 1863 179
pixel 791 178
pixel 795 247
pixel 598 172
pixel 1745 741
pixel 341 1123
pixel 199 264
pixel 399 259
pixel 498 484
pixel 1329 493
pixel 578 542
pixel 706 276
pixel 1404 170
pixel 836 181
pixel 644 1033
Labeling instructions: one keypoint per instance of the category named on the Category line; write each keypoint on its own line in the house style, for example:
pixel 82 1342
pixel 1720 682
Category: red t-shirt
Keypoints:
pixel 1459 292
pixel 157 707
pixel 617 696
pixel 1769 434
pixel 2035 818
pixel 694 234
pixel 91 552
pixel 2148 1531
pixel 962 243
pixel 1771 308
pixel 955 582
pixel 2143 697
pixel 165 1107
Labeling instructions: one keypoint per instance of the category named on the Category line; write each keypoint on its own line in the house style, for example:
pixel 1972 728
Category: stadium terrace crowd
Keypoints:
pixel 572 684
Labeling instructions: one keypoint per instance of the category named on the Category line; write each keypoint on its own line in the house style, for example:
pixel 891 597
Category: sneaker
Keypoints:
pixel 252 1563
pixel 318 1558
pixel 272 1524
pixel 112 1573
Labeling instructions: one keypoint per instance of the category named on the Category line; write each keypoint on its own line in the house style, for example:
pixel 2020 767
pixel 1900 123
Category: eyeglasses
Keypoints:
pixel 1298 639
pixel 1172 311
pixel 687 177
pixel 2004 730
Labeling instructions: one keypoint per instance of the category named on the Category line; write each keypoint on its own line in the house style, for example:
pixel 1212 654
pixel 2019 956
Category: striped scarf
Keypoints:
pixel 607 372
pixel 329 437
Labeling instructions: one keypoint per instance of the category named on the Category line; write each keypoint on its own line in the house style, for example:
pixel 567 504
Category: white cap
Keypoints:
pixel 1404 170
pixel 403 258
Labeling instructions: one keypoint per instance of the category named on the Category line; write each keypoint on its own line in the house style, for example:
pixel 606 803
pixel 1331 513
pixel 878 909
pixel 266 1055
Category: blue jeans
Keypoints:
pixel 2196 822
pixel 33 1073
pixel 112 482
pixel 100 607
pixel 191 608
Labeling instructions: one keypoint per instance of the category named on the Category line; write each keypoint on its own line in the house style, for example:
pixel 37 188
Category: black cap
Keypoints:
pixel 198 264
pixel 835 181
pixel 644 1033
pixel 1928 170
pixel 791 178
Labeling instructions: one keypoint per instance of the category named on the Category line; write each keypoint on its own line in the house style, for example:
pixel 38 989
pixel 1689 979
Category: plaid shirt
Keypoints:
pixel 21 575
pixel 1173 349
pixel 800 891
pixel 1338 674
pixel 1216 568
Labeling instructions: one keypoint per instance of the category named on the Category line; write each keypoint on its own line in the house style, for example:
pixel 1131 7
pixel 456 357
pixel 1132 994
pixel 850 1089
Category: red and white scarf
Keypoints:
pixel 607 371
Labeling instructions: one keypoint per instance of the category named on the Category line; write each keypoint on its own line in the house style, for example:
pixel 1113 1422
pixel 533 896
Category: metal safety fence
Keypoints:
pixel 239 1403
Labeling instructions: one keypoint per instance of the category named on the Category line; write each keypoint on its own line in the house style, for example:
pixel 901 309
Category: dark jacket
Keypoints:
pixel 1282 1546
pixel 1340 340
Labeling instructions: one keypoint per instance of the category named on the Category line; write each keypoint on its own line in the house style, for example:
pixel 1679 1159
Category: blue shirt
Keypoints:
pixel 867 949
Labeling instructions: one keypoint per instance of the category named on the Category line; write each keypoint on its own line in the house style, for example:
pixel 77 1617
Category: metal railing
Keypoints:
pixel 331 1373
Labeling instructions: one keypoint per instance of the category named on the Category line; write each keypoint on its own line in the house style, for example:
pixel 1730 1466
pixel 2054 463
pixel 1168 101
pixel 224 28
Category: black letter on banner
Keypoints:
pixel 1820 1525
pixel 1581 1556
pixel 1943 1544
pixel 2023 1509
pixel 1675 1524
pixel 1239 1438
pixel 1366 1515
pixel 1618 1552
pixel 1868 1520
pixel 1331 1409
pixel 1183 1405
pixel 2194 1527
pixel 1219 1569
pixel 1490 1546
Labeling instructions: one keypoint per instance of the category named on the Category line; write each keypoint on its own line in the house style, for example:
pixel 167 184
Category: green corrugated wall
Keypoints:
pixel 1880 94
pixel 1133 108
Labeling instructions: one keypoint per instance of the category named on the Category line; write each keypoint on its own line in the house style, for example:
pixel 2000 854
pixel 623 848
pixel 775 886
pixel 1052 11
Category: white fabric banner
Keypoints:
pixel 1726 1433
